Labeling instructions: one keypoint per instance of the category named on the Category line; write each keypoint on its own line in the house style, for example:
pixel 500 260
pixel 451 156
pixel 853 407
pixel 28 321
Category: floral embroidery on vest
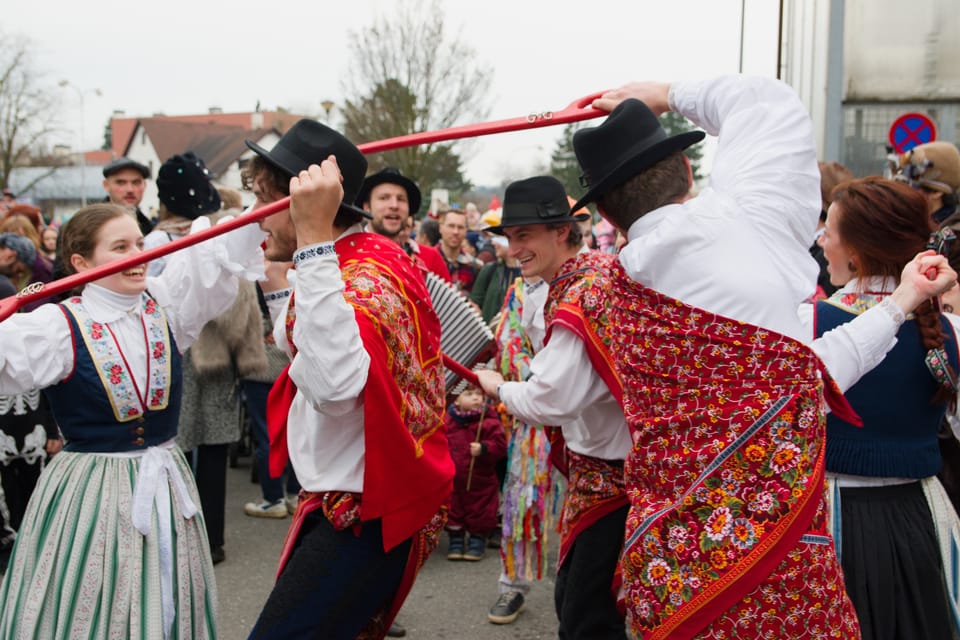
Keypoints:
pixel 109 363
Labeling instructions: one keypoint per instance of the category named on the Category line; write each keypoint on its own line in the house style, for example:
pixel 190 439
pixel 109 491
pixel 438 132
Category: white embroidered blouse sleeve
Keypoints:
pixel 200 282
pixel 36 350
pixel 562 383
pixel 331 365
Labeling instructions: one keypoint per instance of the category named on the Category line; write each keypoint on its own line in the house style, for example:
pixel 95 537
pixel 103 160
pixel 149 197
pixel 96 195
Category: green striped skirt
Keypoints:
pixel 80 569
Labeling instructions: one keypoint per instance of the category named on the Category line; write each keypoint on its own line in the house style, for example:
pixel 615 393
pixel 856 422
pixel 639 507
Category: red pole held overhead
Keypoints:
pixel 576 111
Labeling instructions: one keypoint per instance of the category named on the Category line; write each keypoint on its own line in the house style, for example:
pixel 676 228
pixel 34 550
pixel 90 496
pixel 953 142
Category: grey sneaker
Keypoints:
pixel 266 509
pixel 507 607
pixel 292 501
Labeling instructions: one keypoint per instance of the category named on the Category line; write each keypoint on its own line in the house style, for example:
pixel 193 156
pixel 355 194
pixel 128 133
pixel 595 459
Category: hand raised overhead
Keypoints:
pixel 315 197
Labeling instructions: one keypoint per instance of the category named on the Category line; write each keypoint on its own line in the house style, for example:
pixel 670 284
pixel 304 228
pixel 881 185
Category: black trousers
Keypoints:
pixel 585 607
pixel 210 472
pixel 333 583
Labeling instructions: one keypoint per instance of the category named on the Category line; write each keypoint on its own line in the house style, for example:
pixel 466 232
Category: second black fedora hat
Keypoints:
pixel 630 140
pixel 310 142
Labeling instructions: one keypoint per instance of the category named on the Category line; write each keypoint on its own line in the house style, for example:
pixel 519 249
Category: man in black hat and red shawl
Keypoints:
pixel 726 534
pixel 359 411
pixel 391 198
pixel 568 387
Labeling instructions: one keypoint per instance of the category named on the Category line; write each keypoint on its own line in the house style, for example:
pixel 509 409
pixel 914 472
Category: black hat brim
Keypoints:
pixel 637 163
pixel 288 164
pixel 520 222
pixel 414 196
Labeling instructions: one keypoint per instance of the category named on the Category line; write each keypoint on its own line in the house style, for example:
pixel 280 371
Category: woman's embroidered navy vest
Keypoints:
pixel 98 408
pixel 900 423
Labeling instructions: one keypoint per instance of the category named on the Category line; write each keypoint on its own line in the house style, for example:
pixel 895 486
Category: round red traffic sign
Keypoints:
pixel 911 129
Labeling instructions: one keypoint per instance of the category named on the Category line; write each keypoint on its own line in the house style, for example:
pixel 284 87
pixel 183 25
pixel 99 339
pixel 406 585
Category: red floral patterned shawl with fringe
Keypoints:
pixel 726 532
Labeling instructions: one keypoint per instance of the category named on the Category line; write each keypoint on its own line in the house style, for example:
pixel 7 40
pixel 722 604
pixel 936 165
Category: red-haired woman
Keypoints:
pixel 892 519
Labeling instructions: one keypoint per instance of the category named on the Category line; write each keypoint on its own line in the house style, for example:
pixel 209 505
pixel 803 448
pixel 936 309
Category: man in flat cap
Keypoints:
pixel 124 180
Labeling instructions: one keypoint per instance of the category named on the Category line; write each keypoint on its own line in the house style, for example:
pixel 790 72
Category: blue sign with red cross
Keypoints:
pixel 911 129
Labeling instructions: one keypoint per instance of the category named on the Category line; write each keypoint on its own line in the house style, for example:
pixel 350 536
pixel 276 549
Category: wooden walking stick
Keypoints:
pixel 473 459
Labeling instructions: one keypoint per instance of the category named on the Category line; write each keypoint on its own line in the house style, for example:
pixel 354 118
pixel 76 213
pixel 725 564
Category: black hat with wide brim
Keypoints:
pixel 309 142
pixel 390 175
pixel 537 200
pixel 630 140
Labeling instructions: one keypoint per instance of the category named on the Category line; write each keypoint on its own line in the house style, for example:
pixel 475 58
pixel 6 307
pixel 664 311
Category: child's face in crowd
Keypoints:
pixel 469 400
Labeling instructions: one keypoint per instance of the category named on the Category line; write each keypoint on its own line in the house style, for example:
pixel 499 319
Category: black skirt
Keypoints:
pixel 892 565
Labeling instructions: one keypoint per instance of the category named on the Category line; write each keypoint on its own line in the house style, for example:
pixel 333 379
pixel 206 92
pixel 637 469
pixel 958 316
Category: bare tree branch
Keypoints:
pixel 27 108
pixel 410 73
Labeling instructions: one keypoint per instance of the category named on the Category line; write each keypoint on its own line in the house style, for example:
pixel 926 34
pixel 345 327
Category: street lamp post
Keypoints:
pixel 83 157
pixel 327 107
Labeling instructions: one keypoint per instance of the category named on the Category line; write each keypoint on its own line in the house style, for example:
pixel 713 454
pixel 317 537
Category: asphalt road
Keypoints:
pixel 449 600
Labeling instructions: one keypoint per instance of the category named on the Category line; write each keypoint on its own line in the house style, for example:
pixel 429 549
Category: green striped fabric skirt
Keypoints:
pixel 80 569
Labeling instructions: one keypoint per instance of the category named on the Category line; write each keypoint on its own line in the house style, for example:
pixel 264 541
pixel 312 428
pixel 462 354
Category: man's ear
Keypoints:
pixel 689 166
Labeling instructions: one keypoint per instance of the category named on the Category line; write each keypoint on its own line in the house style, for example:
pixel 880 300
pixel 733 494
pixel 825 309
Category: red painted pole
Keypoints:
pixel 574 112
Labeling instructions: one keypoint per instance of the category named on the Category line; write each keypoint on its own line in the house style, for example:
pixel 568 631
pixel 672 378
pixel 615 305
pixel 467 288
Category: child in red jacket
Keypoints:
pixel 476 443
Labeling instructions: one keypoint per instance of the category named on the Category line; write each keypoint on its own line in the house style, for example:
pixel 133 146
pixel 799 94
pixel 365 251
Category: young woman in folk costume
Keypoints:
pixel 892 519
pixel 112 543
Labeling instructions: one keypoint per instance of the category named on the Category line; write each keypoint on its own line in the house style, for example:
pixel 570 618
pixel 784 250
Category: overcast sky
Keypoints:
pixel 180 57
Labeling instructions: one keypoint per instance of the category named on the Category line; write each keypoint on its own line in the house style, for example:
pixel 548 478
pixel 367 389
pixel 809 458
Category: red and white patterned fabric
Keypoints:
pixel 726 535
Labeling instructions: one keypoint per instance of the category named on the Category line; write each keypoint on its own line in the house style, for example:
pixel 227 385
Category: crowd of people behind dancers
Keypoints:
pixel 735 404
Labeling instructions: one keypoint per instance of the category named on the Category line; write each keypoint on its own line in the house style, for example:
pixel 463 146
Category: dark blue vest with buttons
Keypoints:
pixel 86 417
pixel 900 423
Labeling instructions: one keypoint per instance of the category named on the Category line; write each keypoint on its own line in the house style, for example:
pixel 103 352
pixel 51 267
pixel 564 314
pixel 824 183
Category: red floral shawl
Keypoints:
pixel 727 471
pixel 595 487
pixel 408 473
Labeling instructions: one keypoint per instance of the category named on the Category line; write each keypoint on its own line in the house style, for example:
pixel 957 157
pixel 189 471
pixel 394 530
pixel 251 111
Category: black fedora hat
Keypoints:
pixel 308 142
pixel 538 200
pixel 630 140
pixel 390 175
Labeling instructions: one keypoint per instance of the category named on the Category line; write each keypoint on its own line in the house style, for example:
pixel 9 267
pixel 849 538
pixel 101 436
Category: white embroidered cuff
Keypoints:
pixel 891 309
pixel 279 294
pixel 313 251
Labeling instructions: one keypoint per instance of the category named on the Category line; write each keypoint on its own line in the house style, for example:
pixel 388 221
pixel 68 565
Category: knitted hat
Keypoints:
pixel 23 247
pixel 183 185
